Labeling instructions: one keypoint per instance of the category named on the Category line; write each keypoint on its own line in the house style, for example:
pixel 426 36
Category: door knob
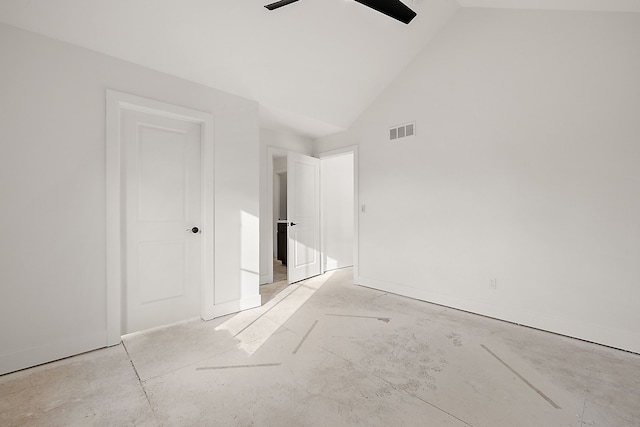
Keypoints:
pixel 194 230
pixel 292 223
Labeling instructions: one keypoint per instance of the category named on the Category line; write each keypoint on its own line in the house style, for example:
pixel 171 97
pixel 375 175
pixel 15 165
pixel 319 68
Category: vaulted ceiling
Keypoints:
pixel 313 66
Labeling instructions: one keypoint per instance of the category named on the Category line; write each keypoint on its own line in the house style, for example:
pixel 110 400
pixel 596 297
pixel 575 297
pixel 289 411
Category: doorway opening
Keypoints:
pixel 280 223
pixel 293 197
pixel 277 277
pixel 338 209
pixel 341 209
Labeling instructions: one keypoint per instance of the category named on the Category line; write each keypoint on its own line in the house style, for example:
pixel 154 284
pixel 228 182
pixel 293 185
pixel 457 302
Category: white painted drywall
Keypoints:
pixel 52 188
pixel 282 141
pixel 337 211
pixel 523 175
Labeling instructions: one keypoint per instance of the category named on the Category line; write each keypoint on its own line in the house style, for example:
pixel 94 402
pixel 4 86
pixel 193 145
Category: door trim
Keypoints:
pixel 116 102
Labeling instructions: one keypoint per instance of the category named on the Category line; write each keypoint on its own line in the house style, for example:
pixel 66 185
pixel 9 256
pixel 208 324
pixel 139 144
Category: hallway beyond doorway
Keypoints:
pixel 270 290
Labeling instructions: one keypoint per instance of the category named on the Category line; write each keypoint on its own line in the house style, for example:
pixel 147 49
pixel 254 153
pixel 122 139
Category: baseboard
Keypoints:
pixel 330 266
pixel 579 329
pixel 235 306
pixel 50 352
pixel 266 278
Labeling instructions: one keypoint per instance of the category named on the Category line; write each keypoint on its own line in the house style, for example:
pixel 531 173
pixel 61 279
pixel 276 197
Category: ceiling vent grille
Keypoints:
pixel 403 131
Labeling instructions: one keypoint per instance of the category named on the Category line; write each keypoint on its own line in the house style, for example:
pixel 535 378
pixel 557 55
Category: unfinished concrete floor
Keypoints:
pixel 327 353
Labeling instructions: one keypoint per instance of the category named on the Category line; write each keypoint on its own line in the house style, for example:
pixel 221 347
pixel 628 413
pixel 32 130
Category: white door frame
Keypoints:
pixel 356 204
pixel 115 103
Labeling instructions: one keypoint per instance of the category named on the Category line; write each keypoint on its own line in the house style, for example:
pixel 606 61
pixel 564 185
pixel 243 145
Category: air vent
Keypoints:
pixel 402 131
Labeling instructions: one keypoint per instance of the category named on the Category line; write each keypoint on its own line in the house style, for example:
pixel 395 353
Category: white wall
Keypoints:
pixel 52 189
pixel 337 211
pixel 519 196
pixel 285 142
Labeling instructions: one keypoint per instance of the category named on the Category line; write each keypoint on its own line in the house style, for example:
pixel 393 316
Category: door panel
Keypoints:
pixel 162 173
pixel 162 204
pixel 303 214
pixel 155 283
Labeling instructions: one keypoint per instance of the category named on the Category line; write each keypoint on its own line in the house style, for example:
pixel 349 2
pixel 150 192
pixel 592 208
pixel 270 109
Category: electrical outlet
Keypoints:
pixel 493 284
pixel 363 208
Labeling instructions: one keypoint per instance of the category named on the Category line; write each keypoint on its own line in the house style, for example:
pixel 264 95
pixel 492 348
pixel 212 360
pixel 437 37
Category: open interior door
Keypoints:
pixel 303 216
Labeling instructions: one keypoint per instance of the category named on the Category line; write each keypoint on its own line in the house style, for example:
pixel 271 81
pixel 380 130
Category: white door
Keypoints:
pixel 162 205
pixel 303 215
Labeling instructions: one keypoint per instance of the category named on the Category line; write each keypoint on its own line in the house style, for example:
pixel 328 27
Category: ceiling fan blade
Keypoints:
pixel 393 8
pixel 280 3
